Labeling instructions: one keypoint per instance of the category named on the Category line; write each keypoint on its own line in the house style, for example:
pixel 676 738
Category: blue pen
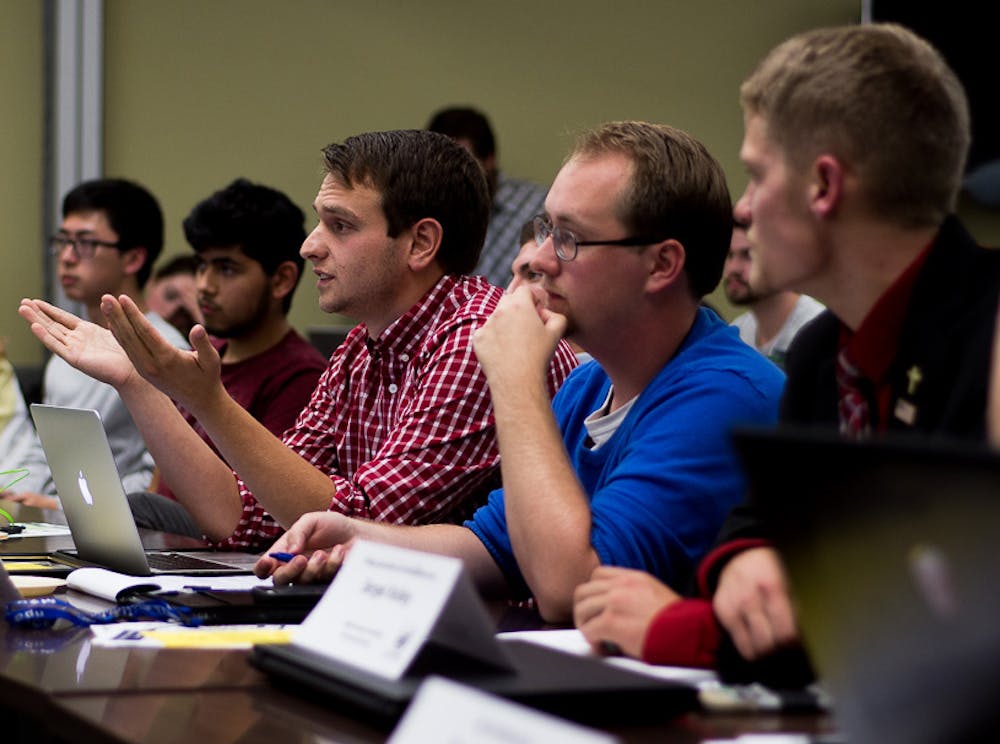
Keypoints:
pixel 283 557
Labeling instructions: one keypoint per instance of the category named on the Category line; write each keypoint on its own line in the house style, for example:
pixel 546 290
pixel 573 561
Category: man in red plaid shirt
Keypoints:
pixel 400 428
pixel 631 464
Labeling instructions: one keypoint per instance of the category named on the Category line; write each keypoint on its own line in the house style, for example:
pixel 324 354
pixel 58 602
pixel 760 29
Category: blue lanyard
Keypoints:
pixel 46 611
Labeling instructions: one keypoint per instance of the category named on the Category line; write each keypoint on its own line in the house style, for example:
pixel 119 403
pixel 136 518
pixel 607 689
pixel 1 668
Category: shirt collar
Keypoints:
pixel 404 334
pixel 874 345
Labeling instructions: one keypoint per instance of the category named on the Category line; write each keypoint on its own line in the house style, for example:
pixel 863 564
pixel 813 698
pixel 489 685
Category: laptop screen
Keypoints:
pixel 891 549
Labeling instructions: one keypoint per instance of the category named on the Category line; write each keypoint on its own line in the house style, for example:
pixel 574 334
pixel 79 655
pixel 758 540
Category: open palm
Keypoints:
pixel 85 345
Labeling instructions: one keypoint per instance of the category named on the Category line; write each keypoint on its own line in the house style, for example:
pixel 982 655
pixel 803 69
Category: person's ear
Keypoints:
pixel 133 260
pixel 667 265
pixel 827 185
pixel 283 279
pixel 426 235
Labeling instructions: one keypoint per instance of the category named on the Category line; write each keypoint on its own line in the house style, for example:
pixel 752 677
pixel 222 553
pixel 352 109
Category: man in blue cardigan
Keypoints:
pixel 631 464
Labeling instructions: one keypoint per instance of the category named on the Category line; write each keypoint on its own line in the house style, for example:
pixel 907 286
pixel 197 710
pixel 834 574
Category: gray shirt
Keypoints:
pixel 777 348
pixel 64 385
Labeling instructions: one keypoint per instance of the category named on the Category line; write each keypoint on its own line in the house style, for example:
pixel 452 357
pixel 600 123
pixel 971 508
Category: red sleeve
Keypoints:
pixel 683 634
pixel 686 633
pixel 713 563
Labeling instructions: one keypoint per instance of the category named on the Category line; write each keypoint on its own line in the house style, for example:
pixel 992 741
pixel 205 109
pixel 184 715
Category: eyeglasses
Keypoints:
pixel 566 243
pixel 83 248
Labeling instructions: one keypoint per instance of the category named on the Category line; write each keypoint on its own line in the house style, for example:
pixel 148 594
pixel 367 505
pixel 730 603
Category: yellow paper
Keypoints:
pixel 217 637
pixel 14 565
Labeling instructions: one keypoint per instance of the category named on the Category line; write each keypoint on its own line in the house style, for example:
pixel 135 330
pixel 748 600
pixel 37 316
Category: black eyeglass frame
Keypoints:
pixel 560 237
pixel 84 248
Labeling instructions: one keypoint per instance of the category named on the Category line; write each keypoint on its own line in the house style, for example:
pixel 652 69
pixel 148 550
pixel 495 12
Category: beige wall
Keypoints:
pixel 198 92
pixel 20 171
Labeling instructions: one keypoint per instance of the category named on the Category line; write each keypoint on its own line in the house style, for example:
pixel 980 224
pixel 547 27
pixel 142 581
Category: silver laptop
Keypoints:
pixel 97 511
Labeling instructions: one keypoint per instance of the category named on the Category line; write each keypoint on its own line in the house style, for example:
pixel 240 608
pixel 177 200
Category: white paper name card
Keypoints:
pixel 445 711
pixel 387 602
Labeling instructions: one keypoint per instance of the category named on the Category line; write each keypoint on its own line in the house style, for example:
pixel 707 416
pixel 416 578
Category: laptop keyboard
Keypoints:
pixel 181 562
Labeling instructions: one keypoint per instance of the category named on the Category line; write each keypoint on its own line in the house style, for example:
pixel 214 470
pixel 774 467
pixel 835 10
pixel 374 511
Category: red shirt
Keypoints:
pixel 402 424
pixel 873 346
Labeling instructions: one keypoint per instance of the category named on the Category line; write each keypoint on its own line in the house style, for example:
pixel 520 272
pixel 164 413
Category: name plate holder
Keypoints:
pixel 444 710
pixel 390 609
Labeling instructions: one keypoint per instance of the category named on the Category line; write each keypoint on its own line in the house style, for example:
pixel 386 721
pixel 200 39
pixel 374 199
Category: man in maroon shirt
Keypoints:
pixel 246 239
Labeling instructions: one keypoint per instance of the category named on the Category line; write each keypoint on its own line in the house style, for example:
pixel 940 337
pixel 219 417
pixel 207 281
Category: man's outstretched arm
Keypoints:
pixel 320 540
pixel 183 458
pixel 285 484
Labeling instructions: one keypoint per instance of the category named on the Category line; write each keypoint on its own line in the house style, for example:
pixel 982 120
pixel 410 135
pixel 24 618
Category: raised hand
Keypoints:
pixel 84 345
pixel 190 377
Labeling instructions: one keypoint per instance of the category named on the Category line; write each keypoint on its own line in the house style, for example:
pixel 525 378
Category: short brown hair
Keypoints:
pixel 420 174
pixel 677 190
pixel 879 98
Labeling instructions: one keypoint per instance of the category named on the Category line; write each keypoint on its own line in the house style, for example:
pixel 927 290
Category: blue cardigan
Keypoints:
pixel 660 488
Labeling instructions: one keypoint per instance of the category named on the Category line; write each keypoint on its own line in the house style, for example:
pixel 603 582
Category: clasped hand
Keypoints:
pixel 615 608
pixel 519 338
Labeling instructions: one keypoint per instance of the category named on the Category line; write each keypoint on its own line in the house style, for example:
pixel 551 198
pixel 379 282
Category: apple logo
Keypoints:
pixel 81 479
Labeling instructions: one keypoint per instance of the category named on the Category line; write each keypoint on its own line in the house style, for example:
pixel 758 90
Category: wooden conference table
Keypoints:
pixel 55 686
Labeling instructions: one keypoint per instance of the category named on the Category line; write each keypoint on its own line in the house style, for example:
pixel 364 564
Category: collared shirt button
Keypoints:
pixel 404 357
pixel 393 387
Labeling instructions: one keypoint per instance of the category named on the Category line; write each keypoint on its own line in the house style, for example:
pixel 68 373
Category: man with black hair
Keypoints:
pixel 246 239
pixel 400 428
pixel 109 239
pixel 514 201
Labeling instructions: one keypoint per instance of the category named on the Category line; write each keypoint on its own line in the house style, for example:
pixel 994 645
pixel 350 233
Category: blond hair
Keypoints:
pixel 880 99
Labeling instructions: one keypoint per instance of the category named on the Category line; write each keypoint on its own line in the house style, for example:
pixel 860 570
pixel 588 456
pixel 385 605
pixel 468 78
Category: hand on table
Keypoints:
pixel 317 541
pixel 753 605
pixel 616 607
pixel 37 500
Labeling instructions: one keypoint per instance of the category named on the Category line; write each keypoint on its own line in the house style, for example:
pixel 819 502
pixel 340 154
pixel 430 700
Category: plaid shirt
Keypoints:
pixel 514 203
pixel 403 424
